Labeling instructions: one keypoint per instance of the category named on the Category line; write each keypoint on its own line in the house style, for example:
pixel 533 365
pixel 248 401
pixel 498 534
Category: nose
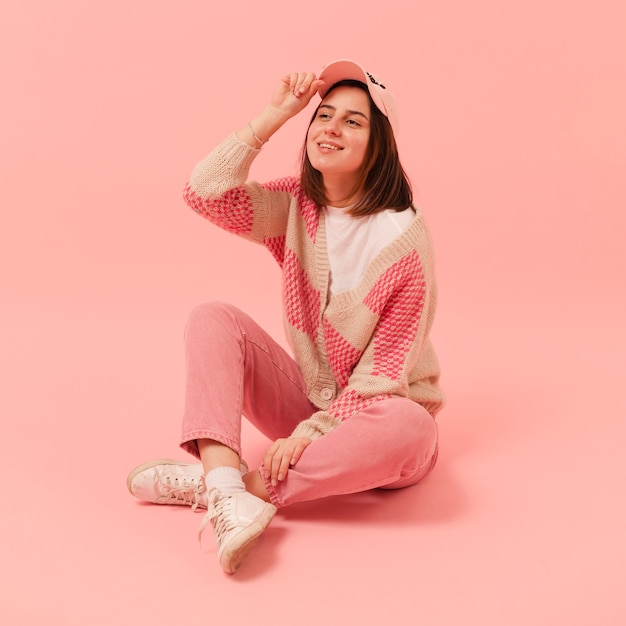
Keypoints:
pixel 332 127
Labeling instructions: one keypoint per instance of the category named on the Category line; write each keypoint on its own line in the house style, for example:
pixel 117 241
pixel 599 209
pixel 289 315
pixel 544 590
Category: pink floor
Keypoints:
pixel 522 523
pixel 519 160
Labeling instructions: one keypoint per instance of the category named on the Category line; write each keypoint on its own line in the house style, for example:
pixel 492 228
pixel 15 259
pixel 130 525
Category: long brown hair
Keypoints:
pixel 382 182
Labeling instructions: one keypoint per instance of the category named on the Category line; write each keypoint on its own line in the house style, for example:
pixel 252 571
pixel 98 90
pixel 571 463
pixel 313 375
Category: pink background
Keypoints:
pixel 513 132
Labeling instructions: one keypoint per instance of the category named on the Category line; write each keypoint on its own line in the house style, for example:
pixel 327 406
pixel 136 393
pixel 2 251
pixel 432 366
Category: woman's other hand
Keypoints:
pixel 283 454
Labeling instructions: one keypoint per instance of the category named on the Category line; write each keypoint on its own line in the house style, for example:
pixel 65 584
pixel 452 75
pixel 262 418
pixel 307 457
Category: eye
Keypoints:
pixel 323 116
pixel 352 123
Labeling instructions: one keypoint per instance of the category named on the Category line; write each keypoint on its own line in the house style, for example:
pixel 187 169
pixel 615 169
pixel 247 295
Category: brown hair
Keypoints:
pixel 382 182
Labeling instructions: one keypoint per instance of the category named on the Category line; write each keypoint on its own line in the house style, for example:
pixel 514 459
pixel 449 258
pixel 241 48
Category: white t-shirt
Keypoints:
pixel 354 242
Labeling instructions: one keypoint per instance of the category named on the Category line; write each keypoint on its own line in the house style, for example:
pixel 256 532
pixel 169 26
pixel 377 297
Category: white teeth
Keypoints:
pixel 326 145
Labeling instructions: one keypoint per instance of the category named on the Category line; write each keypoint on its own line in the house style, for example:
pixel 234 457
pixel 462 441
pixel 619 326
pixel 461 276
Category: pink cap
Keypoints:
pixel 344 69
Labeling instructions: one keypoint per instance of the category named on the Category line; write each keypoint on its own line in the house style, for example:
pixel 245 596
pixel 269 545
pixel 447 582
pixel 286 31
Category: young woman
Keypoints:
pixel 354 408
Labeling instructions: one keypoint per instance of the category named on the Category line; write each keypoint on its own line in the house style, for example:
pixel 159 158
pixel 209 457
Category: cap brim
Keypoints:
pixel 343 69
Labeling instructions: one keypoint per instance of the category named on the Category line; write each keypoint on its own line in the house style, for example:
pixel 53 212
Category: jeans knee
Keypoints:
pixel 210 317
pixel 210 312
pixel 416 431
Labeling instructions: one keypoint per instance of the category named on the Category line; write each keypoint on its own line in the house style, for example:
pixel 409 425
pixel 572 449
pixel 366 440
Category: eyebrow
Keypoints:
pixel 330 106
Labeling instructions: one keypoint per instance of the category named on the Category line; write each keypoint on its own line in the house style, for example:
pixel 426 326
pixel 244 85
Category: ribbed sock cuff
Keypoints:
pixel 227 479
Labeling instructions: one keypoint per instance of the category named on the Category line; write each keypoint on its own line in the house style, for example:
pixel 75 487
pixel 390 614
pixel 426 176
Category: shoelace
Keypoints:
pixel 218 514
pixel 185 492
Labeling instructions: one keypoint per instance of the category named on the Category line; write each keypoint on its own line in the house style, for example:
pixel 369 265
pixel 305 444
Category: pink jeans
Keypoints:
pixel 235 368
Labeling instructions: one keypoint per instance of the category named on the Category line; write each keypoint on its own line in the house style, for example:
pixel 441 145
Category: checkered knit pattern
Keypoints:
pixel 352 401
pixel 357 348
pixel 400 315
pixel 276 245
pixel 301 300
pixel 342 355
pixel 232 211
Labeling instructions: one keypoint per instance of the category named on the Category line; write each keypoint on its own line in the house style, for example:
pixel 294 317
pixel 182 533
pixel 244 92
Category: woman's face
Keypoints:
pixel 338 137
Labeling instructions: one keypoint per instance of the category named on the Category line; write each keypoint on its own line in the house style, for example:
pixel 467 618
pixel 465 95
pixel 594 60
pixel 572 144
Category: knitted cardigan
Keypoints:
pixel 359 346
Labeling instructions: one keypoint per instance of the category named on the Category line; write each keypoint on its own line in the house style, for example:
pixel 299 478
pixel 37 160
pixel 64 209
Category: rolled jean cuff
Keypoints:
pixel 271 491
pixel 189 441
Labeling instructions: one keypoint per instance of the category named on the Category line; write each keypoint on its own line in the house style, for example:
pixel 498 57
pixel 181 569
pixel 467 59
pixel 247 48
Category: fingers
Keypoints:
pixel 282 454
pixel 300 445
pixel 295 92
pixel 280 461
pixel 303 83
pixel 271 461
pixel 283 467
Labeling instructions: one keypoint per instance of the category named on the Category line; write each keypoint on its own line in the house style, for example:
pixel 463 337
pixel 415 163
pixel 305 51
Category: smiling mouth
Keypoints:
pixel 329 146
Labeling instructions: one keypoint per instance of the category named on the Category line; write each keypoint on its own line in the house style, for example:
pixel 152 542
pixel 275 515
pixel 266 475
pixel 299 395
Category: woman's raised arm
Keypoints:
pixel 291 96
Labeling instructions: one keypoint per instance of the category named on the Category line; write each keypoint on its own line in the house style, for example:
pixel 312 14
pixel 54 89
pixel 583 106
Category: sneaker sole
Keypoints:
pixel 239 546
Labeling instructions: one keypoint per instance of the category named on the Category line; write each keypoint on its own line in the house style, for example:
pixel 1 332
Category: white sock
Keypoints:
pixel 227 479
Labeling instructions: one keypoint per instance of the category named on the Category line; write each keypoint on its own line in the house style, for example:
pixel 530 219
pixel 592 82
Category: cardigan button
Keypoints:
pixel 326 393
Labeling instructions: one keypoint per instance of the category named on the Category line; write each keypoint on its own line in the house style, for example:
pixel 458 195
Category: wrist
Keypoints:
pixel 260 128
pixel 268 121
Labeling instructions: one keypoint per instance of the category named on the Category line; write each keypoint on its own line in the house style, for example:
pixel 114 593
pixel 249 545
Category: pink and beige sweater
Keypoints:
pixel 358 346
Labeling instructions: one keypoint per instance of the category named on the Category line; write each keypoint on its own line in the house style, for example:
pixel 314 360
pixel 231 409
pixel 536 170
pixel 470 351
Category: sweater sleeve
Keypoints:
pixel 218 191
pixel 401 302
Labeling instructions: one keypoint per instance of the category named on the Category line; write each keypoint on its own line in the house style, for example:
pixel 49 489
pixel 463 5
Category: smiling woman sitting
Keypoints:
pixel 353 409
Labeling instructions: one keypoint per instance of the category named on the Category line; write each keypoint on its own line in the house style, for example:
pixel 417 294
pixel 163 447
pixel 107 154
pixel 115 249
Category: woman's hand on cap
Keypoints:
pixel 294 92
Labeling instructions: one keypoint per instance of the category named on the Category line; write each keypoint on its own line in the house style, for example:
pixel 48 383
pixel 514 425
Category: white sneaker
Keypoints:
pixel 238 521
pixel 165 481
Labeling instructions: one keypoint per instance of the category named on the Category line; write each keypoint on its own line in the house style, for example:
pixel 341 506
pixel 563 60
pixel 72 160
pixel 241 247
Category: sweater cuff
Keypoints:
pixel 318 425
